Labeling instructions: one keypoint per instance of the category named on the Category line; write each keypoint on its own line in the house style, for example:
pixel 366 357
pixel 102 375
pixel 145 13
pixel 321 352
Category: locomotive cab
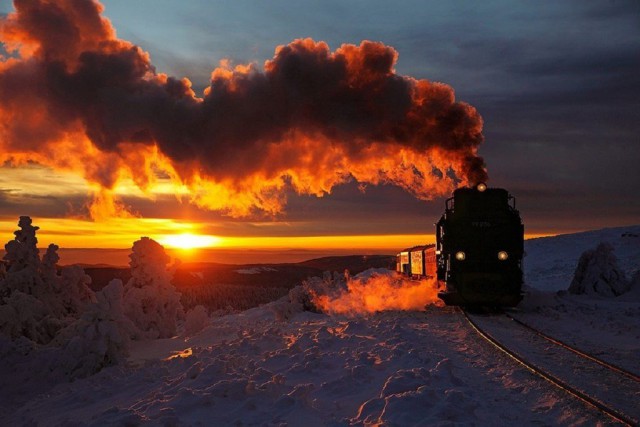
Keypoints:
pixel 479 248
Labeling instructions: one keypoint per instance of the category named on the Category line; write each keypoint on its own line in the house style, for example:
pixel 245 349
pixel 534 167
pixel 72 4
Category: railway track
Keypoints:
pixel 609 388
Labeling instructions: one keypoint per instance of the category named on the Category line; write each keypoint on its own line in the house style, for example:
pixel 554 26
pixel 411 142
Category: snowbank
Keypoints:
pixel 550 262
pixel 392 368
pixel 282 364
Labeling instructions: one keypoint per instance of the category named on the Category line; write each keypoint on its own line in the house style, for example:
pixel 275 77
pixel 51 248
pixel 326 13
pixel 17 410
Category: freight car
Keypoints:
pixel 477 258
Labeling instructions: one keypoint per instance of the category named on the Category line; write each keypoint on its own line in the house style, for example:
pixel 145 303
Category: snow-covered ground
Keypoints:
pixel 398 368
pixel 278 365
pixel 550 262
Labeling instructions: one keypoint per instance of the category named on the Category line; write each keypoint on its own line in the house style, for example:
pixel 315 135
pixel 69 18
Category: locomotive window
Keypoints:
pixel 449 204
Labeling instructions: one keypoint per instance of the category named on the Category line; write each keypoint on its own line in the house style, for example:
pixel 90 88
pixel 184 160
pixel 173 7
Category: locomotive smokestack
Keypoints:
pixel 74 96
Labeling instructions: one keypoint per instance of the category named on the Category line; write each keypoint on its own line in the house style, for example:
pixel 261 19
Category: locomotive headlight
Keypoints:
pixel 502 256
pixel 460 256
pixel 481 187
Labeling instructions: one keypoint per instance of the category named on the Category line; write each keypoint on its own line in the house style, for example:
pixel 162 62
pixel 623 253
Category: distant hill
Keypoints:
pixel 260 275
pixel 354 263
pixel 101 276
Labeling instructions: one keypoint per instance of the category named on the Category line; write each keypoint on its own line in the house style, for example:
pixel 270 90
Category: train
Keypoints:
pixel 477 257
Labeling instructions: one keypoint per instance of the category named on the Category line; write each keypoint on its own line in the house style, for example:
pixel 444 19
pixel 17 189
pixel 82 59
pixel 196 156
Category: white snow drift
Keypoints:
pixel 286 363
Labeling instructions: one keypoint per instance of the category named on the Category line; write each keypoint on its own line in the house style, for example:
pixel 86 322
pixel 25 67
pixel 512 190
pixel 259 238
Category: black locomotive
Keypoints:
pixel 477 258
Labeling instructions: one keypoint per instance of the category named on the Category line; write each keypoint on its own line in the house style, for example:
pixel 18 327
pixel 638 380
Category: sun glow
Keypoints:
pixel 187 241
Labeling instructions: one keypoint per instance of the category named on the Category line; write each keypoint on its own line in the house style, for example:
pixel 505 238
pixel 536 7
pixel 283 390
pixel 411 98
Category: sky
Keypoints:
pixel 556 84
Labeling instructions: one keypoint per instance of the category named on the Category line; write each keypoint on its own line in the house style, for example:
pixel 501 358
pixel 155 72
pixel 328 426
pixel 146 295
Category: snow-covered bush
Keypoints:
pixel 23 315
pixel 196 319
pixel 598 273
pixel 301 297
pixel 150 300
pixel 75 293
pixel 331 284
pixel 99 338
pixel 286 307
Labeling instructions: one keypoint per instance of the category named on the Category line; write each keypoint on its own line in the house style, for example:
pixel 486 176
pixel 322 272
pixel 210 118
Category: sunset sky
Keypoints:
pixel 102 144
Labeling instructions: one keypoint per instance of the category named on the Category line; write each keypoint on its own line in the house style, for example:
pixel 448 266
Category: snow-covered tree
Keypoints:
pixel 598 273
pixel 29 305
pixel 35 301
pixel 74 289
pixel 301 298
pixel 150 300
pixel 196 319
pixel 23 260
pixel 100 337
pixel 22 252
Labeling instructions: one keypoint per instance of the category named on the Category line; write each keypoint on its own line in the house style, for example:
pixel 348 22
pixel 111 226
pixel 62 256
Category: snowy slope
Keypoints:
pixel 279 365
pixel 551 261
pixel 400 368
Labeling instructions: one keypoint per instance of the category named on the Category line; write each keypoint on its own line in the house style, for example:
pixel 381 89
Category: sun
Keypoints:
pixel 188 241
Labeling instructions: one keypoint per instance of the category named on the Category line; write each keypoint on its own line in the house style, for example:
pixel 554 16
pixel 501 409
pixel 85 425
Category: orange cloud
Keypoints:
pixel 77 98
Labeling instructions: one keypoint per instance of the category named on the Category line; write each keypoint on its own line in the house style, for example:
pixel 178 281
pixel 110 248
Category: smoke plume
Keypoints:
pixel 75 97
pixel 379 291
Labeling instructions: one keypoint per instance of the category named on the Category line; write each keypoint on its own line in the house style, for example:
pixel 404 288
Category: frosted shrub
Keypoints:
pixel 301 297
pixel 150 300
pixel 598 273
pixel 100 337
pixel 22 314
pixel 196 319
pixel 329 285
pixel 75 292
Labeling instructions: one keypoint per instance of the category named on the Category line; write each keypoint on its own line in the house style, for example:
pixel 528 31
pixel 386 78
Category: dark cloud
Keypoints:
pixel 557 87
pixel 16 202
pixel 311 119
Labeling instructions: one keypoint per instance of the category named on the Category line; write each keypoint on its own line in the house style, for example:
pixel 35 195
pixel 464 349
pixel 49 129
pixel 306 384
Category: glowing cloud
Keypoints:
pixel 76 98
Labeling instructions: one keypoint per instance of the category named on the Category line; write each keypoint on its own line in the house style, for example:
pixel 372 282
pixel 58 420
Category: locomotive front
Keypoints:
pixel 479 248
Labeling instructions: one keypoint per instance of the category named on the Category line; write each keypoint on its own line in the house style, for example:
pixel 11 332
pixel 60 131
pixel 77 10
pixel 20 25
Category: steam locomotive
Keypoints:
pixel 477 258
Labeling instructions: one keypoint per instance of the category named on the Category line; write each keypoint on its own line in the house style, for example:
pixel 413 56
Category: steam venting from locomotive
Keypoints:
pixel 378 292
pixel 75 97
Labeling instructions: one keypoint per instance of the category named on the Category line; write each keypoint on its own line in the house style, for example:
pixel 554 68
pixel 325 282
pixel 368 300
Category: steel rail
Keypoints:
pixel 577 351
pixel 611 412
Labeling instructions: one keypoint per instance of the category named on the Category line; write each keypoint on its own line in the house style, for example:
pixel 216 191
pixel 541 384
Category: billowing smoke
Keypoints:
pixel 372 291
pixel 73 96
